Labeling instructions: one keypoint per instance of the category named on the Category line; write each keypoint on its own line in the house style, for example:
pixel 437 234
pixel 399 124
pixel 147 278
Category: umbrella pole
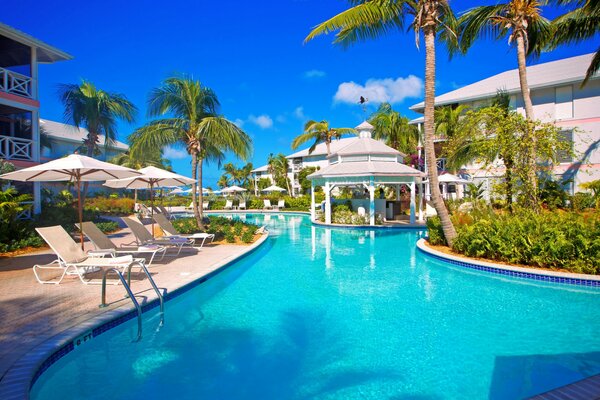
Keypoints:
pixel 152 207
pixel 80 210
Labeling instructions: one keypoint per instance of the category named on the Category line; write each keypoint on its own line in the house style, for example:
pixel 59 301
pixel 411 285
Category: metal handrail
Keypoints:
pixel 127 285
pixel 129 293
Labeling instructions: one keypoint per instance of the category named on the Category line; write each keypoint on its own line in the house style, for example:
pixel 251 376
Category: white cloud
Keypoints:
pixel 239 122
pixel 314 74
pixel 380 90
pixel 263 121
pixel 299 113
pixel 174 154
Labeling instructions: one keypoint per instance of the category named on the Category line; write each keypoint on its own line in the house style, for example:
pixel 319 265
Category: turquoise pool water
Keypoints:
pixel 343 314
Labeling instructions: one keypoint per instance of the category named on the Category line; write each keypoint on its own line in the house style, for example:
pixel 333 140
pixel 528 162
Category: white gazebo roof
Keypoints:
pixel 365 169
pixel 366 146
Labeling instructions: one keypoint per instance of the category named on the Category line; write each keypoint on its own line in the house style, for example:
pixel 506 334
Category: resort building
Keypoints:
pixel 557 97
pixel 20 55
pixel 300 160
pixel 66 139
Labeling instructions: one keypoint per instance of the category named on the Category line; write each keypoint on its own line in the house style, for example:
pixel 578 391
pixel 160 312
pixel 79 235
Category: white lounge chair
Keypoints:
pixel 103 243
pixel 267 204
pixel 205 205
pixel 72 260
pixel 281 204
pixel 242 205
pixel 163 210
pixel 228 205
pixel 143 237
pixel 170 231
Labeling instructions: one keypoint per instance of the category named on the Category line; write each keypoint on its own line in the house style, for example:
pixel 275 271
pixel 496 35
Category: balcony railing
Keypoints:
pixel 441 164
pixel 12 148
pixel 15 83
pixel 27 212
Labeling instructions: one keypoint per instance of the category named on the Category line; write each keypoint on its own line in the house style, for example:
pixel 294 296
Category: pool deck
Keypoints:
pixel 33 314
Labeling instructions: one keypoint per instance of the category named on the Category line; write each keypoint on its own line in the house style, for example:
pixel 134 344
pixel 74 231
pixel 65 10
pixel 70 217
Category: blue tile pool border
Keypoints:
pixel 516 272
pixel 67 345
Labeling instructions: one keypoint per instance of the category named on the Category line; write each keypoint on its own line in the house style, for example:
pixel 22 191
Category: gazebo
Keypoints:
pixel 366 162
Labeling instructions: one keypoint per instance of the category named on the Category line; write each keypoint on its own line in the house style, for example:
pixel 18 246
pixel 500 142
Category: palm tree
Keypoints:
pixel 522 22
pixel 320 132
pixel 394 128
pixel 96 110
pixel 277 166
pixel 579 24
pixel 191 119
pixel 370 19
pixel 450 122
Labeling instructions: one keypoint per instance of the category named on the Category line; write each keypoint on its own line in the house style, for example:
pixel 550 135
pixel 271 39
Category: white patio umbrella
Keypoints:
pixel 150 178
pixel 449 178
pixel 233 189
pixel 273 188
pixel 177 191
pixel 74 168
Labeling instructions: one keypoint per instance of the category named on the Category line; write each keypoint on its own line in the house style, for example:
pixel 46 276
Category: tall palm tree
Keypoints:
pixel 96 110
pixel 320 132
pixel 277 166
pixel 522 22
pixel 394 128
pixel 190 118
pixel 579 24
pixel 370 19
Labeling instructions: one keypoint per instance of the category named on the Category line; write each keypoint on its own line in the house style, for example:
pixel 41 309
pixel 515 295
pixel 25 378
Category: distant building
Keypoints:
pixel 302 159
pixel 66 139
pixel 20 55
pixel 557 97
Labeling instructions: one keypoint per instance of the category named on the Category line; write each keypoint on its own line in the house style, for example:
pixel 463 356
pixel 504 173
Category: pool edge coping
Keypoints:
pixel 19 378
pixel 565 278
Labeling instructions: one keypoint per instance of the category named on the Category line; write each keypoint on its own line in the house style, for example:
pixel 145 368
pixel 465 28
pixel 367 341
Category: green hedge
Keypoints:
pixel 554 240
pixel 223 228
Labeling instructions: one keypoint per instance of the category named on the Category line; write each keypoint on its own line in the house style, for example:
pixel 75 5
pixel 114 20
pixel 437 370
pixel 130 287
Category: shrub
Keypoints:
pixel 557 240
pixel 107 226
pixel 110 205
pixel 582 200
pixel 237 228
pixel 248 236
pixel 229 237
pixel 435 232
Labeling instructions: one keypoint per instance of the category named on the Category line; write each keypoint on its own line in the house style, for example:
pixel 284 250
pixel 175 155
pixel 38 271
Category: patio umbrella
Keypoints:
pixel 150 178
pixel 177 191
pixel 233 189
pixel 74 168
pixel 273 188
pixel 449 178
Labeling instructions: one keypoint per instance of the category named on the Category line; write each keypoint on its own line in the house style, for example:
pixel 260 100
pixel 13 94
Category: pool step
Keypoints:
pixel 585 389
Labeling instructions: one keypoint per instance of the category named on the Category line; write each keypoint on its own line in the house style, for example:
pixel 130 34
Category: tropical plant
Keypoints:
pixel 370 19
pixel 96 110
pixel 190 118
pixel 576 25
pixel 303 180
pixel 238 176
pixel 319 132
pixel 522 22
pixel 449 123
pixel 277 166
pixel 394 128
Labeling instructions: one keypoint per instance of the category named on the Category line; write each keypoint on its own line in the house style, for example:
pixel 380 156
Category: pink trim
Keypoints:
pixel 19 99
pixel 577 121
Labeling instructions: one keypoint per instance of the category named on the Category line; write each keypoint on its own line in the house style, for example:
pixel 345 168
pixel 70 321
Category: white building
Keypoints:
pixel 20 55
pixel 302 159
pixel 557 97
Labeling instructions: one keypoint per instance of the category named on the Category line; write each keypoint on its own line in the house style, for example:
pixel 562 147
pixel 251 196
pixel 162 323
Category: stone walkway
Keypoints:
pixel 33 313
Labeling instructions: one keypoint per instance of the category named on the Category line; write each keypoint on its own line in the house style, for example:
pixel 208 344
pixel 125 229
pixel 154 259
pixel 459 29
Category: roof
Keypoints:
pixel 321 148
pixel 365 146
pixel 567 70
pixel 364 126
pixel 365 168
pixel 45 52
pixel 264 168
pixel 70 133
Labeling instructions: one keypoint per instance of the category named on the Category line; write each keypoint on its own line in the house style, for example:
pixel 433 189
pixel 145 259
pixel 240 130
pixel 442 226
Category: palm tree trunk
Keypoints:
pixel 194 187
pixel 201 198
pixel 90 153
pixel 508 164
pixel 531 172
pixel 327 144
pixel 434 186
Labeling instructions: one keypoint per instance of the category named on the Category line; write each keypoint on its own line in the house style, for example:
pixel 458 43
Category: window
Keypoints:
pixel 564 102
pixel 512 104
pixel 564 157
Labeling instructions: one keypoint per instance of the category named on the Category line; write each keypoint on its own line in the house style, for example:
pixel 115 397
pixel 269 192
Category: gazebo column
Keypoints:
pixel 312 201
pixel 327 202
pixel 372 201
pixel 397 192
pixel 413 189
pixel 421 201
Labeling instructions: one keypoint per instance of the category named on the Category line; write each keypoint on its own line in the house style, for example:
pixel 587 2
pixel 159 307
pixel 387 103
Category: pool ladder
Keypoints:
pixel 127 286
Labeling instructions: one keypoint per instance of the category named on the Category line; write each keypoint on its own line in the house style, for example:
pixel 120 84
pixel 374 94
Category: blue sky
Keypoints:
pixel 252 54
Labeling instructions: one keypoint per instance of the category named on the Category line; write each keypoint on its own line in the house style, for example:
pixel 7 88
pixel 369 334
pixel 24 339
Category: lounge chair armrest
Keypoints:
pixel 102 253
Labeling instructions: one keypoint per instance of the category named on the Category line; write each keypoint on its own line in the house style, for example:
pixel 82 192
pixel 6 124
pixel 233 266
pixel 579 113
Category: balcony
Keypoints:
pixel 12 148
pixel 15 83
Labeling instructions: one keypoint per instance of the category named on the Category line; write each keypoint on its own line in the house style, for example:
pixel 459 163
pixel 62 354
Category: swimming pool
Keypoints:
pixel 343 314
